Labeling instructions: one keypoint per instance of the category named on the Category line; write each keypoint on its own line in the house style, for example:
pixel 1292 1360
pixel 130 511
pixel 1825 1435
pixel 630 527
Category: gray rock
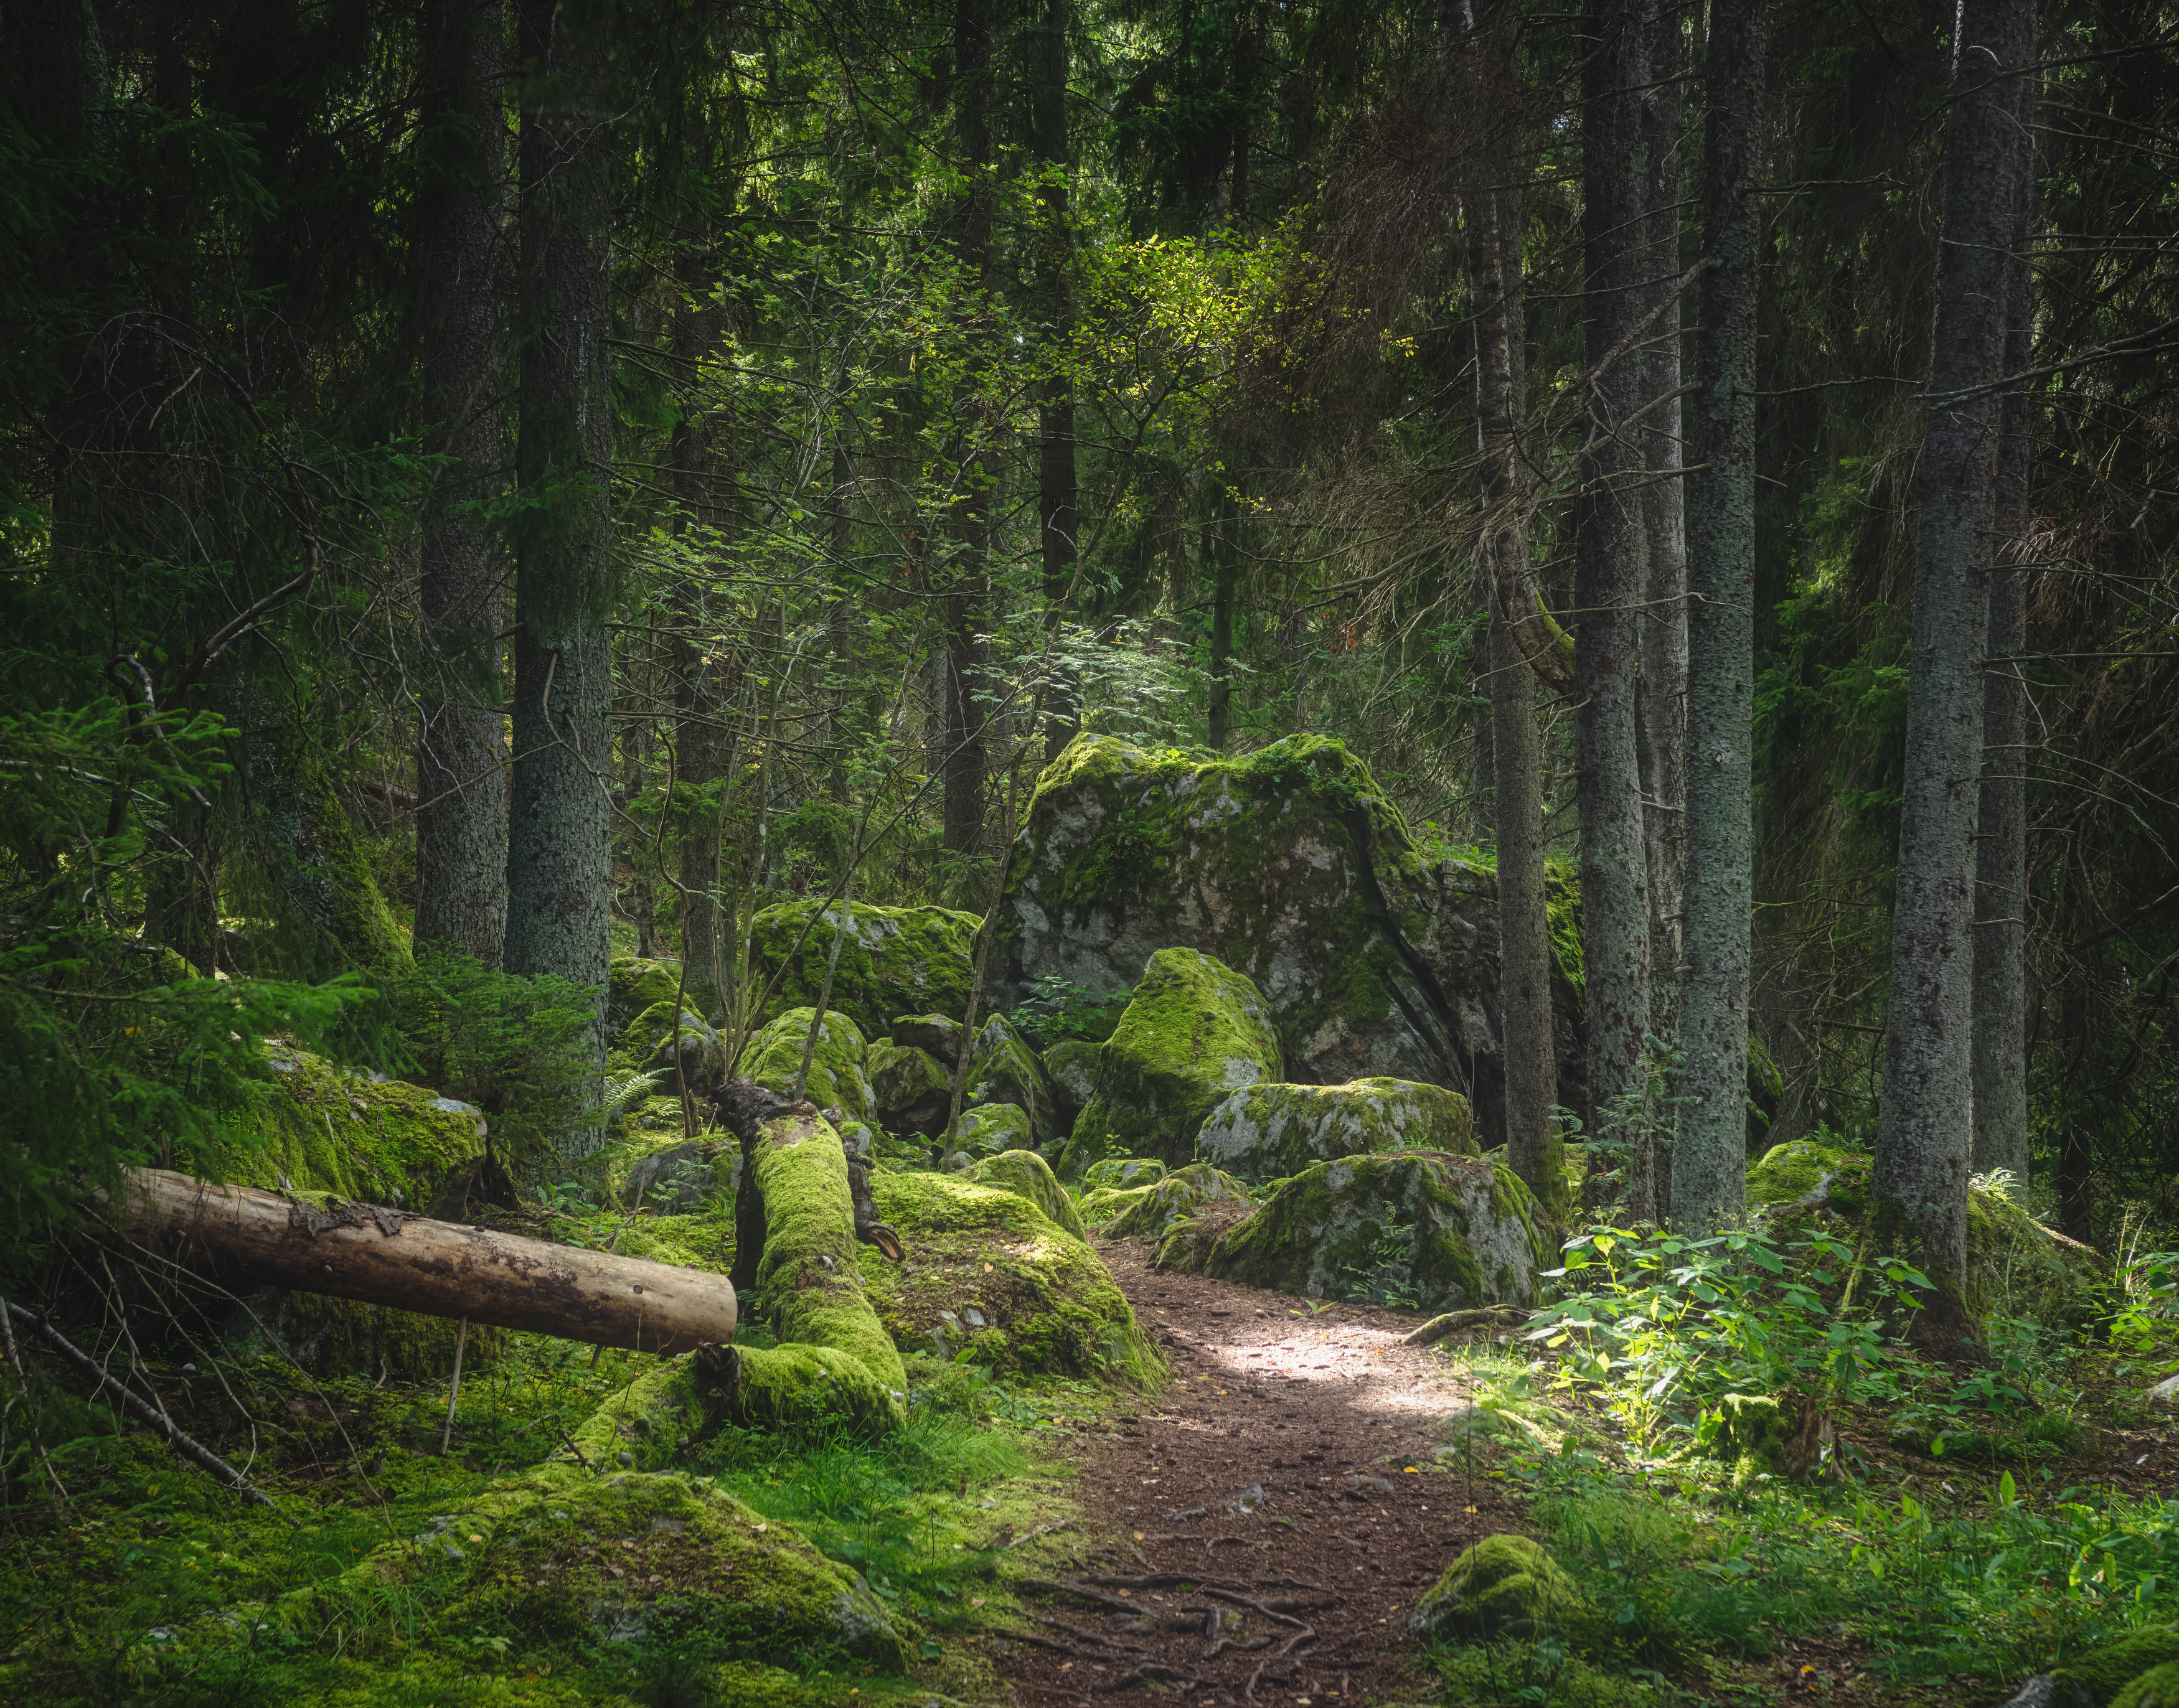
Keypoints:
pixel 676 1182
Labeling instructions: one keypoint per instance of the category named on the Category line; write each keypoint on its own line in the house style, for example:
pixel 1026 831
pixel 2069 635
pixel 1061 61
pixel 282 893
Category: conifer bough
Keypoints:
pixel 381 1257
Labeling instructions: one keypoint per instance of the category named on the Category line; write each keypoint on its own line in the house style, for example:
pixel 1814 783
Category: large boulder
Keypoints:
pixel 910 1087
pixel 892 960
pixel 1291 865
pixel 2014 1262
pixel 988 1129
pixel 635 984
pixel 1420 1231
pixel 650 1043
pixel 1028 1175
pixel 1072 1067
pixel 1157 1208
pixel 1002 1069
pixel 989 1274
pixel 1267 1132
pixel 1504 1586
pixel 1196 1033
pixel 773 1058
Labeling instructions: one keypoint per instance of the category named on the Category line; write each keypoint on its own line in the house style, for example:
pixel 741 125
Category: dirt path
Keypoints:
pixel 1261 1531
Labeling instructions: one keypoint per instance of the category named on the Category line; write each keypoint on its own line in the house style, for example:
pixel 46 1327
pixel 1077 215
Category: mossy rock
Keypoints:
pixel 1123 1173
pixel 939 1033
pixel 1196 1032
pixel 634 984
pixel 1103 1205
pixel 1268 1132
pixel 649 1043
pixel 2015 1264
pixel 2158 1687
pixel 704 1571
pixel 773 1057
pixel 1293 867
pixel 1752 1437
pixel 1072 1067
pixel 892 960
pixel 339 1132
pixel 1433 1233
pixel 909 1087
pixel 1180 1194
pixel 1026 1173
pixel 1002 1069
pixel 2100 1677
pixel 989 1131
pixel 1504 1586
pixel 1042 1301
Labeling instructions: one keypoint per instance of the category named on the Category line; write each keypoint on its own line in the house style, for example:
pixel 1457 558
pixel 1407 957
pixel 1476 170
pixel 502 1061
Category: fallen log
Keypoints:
pixel 382 1257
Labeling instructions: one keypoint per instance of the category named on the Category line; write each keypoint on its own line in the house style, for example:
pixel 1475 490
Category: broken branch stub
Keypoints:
pixel 381 1257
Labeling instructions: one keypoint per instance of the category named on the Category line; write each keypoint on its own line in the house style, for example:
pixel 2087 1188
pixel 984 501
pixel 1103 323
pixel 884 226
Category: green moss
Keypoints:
pixel 991 1129
pixel 1196 1033
pixel 892 960
pixel 773 1058
pixel 1504 1586
pixel 1174 1199
pixel 633 1416
pixel 1435 1233
pixel 2014 1263
pixel 2102 1675
pixel 1028 1174
pixel 1047 1302
pixel 1002 1069
pixel 2158 1687
pixel 635 984
pixel 648 1043
pixel 909 1088
pixel 1122 1174
pixel 1754 1438
pixel 1267 1132
pixel 565 1556
pixel 1103 1205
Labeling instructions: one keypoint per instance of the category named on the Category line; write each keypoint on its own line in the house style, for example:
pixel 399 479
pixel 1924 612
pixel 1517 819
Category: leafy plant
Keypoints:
pixel 1056 1010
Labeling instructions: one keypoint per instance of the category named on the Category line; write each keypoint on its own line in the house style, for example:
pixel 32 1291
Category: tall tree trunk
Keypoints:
pixel 967 740
pixel 1223 550
pixel 1057 494
pixel 1610 562
pixel 1662 724
pixel 2000 931
pixel 461 744
pixel 559 862
pixel 1710 1163
pixel 1491 211
pixel 1924 1136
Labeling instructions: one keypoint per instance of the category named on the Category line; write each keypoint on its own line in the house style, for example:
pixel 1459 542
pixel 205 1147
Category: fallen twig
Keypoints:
pixel 189 1448
pixel 1255 1607
pixel 1452 1322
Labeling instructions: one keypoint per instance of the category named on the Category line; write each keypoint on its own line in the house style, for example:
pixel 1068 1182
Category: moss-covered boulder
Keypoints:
pixel 1122 1174
pixel 650 1042
pixel 1266 1132
pixel 1196 1032
pixel 2100 1677
pixel 989 1274
pixel 1293 867
pixel 635 1559
pixel 892 960
pixel 1072 1067
pixel 1504 1586
pixel 343 1133
pixel 938 1033
pixel 1180 1194
pixel 773 1057
pixel 634 984
pixel 2015 1264
pixel 1002 1069
pixel 1430 1233
pixel 2158 1687
pixel 990 1129
pixel 1029 1174
pixel 909 1087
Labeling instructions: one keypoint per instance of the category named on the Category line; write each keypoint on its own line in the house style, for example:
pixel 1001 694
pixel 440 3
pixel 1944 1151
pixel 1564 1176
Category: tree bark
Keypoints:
pixel 1490 210
pixel 1662 724
pixel 1610 564
pixel 2001 930
pixel 559 841
pixel 1710 1162
pixel 1924 1137
pixel 461 744
pixel 1058 494
pixel 439 1268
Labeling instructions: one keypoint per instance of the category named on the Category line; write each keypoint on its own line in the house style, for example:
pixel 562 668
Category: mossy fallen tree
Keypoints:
pixel 796 1227
pixel 381 1257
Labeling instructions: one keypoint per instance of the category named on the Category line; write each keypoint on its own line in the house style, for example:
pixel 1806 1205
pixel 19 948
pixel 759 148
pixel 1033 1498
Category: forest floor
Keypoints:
pixel 1262 1528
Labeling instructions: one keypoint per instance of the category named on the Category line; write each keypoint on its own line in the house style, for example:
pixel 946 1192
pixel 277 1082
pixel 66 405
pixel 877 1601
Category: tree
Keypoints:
pixel 559 842
pixel 461 748
pixel 1709 1176
pixel 1610 561
pixel 1924 1139
pixel 1059 487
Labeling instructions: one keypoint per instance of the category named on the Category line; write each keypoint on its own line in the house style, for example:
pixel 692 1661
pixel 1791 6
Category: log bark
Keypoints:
pixel 440 1268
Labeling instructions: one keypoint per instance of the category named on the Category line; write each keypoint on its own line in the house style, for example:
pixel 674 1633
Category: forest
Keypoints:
pixel 763 765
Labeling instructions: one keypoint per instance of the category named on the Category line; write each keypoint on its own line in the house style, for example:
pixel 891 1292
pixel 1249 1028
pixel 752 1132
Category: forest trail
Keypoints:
pixel 1281 1494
